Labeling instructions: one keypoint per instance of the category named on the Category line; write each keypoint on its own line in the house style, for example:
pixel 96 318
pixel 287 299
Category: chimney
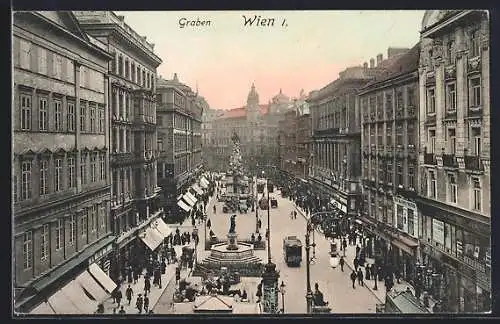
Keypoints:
pixel 365 65
pixel 372 63
pixel 379 58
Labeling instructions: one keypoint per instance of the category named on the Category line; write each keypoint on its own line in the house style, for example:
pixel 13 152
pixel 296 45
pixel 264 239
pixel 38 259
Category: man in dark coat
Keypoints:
pixel 341 262
pixel 353 278
pixel 209 223
pixel 360 277
pixel 355 262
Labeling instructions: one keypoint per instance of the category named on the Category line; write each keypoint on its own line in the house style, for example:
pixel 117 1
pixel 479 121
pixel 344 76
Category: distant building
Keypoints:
pixel 454 157
pixel 180 113
pixel 257 129
pixel 60 176
pixel 208 135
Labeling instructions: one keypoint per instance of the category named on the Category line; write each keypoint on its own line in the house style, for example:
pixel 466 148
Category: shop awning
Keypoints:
pixel 162 227
pixel 71 299
pixel 61 304
pixel 101 277
pixel 152 238
pixel 92 286
pixel 183 205
pixel 204 182
pixel 197 188
pixel 43 309
pixel 189 198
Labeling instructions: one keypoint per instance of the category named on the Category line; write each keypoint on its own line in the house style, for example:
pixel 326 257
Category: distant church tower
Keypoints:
pixel 253 105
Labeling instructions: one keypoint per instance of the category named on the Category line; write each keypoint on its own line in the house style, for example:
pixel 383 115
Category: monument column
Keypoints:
pixel 270 288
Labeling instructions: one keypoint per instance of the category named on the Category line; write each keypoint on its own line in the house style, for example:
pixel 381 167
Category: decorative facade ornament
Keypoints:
pixel 473 64
pixel 450 72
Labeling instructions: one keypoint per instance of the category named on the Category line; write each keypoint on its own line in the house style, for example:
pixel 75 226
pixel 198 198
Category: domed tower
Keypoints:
pixel 253 105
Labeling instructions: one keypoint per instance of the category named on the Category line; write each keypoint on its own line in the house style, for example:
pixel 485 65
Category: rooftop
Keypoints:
pixel 242 112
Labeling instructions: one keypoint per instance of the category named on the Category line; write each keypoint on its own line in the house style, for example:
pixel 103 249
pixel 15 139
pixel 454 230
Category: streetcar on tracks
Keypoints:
pixel 292 251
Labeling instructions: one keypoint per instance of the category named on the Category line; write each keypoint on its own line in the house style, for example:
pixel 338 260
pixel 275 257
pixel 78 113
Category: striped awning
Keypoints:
pixel 197 189
pixel 183 205
pixel 191 197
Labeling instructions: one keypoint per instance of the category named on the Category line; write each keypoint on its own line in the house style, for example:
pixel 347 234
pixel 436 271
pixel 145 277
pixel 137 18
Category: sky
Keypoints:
pixel 307 51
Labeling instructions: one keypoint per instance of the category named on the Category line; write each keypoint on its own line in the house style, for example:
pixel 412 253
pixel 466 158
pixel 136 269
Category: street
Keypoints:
pixel 335 285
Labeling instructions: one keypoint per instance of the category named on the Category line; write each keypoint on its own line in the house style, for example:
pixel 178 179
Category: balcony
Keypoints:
pixel 450 115
pixel 473 163
pixel 450 161
pixel 429 158
pixel 475 112
pixel 430 119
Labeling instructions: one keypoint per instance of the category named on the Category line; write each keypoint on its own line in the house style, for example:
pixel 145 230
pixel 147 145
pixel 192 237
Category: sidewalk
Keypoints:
pixel 380 293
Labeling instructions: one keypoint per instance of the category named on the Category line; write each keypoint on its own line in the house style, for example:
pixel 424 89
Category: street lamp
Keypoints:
pixel 375 274
pixel 282 291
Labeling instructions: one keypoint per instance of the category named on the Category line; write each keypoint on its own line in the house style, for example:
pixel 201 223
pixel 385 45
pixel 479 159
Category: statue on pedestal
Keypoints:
pixel 232 227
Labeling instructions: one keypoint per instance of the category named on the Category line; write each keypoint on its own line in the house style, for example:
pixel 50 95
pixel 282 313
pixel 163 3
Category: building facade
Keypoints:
pixel 288 142
pixel 132 114
pixel 257 129
pixel 61 184
pixel 180 113
pixel 208 136
pixel 304 139
pixel 454 172
pixel 389 141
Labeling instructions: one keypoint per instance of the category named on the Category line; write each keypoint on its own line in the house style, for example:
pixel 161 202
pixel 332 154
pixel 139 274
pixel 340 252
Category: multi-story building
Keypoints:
pixel 288 142
pixel 454 157
pixel 208 135
pixel 179 142
pixel 132 112
pixel 256 128
pixel 60 178
pixel 389 139
pixel 304 139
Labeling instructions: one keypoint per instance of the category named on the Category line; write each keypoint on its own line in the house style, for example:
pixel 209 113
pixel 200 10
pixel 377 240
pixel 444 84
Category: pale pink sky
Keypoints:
pixel 226 57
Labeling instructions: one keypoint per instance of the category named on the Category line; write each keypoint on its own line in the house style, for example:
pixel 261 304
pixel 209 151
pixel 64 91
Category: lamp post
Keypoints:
pixel 375 274
pixel 282 291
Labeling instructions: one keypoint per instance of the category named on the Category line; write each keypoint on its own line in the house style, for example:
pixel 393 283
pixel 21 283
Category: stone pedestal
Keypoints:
pixel 270 289
pixel 232 242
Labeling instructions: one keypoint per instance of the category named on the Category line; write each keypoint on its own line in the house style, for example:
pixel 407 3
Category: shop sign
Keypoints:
pixel 99 254
pixel 405 203
pixel 438 231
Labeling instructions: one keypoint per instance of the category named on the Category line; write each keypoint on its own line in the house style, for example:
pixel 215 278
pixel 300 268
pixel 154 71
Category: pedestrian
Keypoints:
pixel 146 303
pixel 136 276
pixel 209 223
pixel 295 214
pixel 119 296
pixel 342 261
pixel 344 243
pixel 129 293
pixel 355 262
pixel 259 292
pixel 193 222
pixel 138 303
pixel 215 209
pixel 147 285
pixel 397 274
pixel 367 270
pixel 121 311
pixel 353 278
pixel 360 277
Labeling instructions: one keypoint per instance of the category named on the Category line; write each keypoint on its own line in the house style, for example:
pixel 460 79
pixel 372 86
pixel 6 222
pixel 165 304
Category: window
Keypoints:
pixel 411 222
pixel 452 188
pixel 42 60
pixel 44 246
pixel 451 97
pixel 103 215
pixel 83 225
pixel 92 120
pixel 44 170
pixel 475 92
pixel 72 230
pixel 58 174
pixel 127 69
pixel 25 112
pixel 399 172
pixel 411 97
pixel 43 116
pixel 399 214
pixel 432 140
pixel 138 75
pixel 132 71
pixel 59 233
pixel 58 115
pixel 159 120
pixel 399 133
pixel 432 184
pixel 411 134
pixel 120 65
pixel 476 187
pixel 58 62
pixel 452 141
pixel 93 167
pixel 475 43
pixel 431 101
pixel 389 135
pixel 399 100
pixel 28 250
pixel 71 117
pixel 160 145
pixel 102 166
pixel 476 140
pixel 411 176
pixel 83 117
pixel 451 51
pixel 26 180
pixel 83 167
pixel 71 172
pixel 389 172
pixel 101 121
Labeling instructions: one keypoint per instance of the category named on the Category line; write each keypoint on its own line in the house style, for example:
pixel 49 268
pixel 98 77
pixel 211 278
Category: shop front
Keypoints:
pixel 457 251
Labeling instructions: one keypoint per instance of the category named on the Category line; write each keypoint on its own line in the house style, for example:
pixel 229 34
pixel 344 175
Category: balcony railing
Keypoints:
pixel 449 160
pixel 429 158
pixel 472 163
